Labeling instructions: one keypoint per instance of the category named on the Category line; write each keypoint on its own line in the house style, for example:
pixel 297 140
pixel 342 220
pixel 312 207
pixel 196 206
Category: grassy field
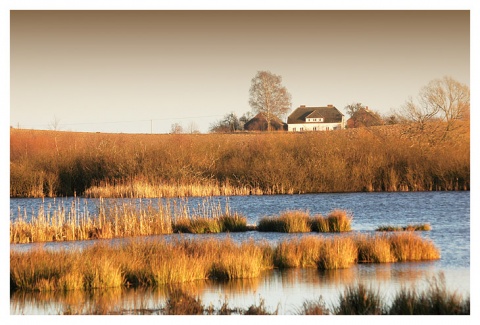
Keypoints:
pixel 387 158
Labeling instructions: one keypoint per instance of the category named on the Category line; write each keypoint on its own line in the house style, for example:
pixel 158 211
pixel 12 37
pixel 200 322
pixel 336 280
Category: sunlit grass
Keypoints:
pixel 301 221
pixel 157 262
pixel 52 163
pixel 124 219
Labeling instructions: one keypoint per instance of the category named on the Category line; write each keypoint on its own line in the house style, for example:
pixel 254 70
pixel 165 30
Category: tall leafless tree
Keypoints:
pixel 450 97
pixel 442 99
pixel 269 96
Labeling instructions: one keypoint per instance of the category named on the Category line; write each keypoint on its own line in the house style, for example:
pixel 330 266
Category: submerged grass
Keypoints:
pixel 157 262
pixel 416 227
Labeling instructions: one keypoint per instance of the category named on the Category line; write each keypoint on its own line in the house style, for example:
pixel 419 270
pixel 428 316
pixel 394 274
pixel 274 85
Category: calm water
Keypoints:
pixel 447 212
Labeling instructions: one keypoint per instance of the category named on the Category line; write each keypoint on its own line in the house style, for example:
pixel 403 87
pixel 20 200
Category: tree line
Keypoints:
pixel 444 99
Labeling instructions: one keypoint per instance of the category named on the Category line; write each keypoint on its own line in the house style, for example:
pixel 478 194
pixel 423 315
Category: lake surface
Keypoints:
pixel 448 213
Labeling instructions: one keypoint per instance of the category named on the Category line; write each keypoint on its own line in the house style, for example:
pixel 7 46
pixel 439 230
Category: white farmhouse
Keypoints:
pixel 315 119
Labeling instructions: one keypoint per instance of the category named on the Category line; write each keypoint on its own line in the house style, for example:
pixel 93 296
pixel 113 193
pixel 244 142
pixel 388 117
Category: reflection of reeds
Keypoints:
pixel 181 299
pixel 300 221
pixel 154 263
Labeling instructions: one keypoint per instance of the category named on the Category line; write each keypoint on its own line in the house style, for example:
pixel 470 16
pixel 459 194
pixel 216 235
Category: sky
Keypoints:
pixel 140 71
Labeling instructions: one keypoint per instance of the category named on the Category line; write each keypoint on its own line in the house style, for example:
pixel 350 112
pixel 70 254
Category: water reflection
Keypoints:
pixel 286 290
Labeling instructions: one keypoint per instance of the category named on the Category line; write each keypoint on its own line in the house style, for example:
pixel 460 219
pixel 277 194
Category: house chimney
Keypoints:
pixel 302 105
pixel 330 105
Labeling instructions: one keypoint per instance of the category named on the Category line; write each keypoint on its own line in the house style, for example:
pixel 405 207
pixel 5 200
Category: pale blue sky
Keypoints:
pixel 140 72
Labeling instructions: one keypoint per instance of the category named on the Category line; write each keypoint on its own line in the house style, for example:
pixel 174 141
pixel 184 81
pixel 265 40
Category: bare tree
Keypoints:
pixel 193 128
pixel 450 97
pixel 444 98
pixel 268 96
pixel 55 123
pixel 353 108
pixel 176 128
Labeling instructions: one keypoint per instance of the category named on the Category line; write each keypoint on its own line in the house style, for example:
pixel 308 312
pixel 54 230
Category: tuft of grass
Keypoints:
pixel 303 252
pixel 288 222
pixel 181 303
pixel 436 300
pixel 360 300
pixel 374 249
pixel 233 223
pixel 297 221
pixel 259 309
pixel 339 221
pixel 337 253
pixel 408 247
pixel 417 227
pixel 314 307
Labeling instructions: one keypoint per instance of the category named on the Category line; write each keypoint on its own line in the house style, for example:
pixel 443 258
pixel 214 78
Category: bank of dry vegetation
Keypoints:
pixel 132 219
pixel 150 263
pixel 387 158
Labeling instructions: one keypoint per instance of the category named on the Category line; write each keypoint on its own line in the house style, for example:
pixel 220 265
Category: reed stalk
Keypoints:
pixel 124 219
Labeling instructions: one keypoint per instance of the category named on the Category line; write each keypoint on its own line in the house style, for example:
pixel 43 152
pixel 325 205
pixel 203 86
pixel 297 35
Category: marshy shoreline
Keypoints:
pixel 385 158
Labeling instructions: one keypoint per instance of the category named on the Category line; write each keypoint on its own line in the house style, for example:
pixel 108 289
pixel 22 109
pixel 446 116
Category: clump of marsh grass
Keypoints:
pixel 416 227
pixel 233 223
pixel 337 253
pixel 374 249
pixel 360 300
pixel 301 221
pixel 151 263
pixel 313 307
pixel 181 303
pixel 238 261
pixel 303 252
pixel 436 300
pixel 259 309
pixel 204 225
pixel 336 221
pixel 406 246
pixel 288 221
